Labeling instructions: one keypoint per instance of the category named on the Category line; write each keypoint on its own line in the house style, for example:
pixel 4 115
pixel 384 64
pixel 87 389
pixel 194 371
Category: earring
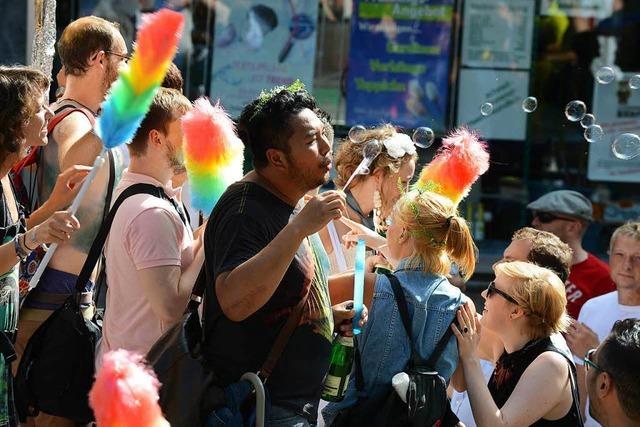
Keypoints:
pixel 377 200
pixel 378 221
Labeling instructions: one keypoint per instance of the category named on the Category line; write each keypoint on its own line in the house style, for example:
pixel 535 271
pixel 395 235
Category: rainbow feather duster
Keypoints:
pixel 132 93
pixel 125 393
pixel 213 153
pixel 456 166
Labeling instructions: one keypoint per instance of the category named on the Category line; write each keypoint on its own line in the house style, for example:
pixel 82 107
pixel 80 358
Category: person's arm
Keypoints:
pixel 77 145
pixel 65 190
pixel 152 241
pixel 168 287
pixel 8 257
pixel 526 405
pixel 246 288
pixel 341 287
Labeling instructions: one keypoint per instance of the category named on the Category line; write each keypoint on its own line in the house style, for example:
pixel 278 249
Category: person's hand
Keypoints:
pixel 580 339
pixel 58 228
pixel 358 231
pixel 469 335
pixel 373 261
pixel 319 210
pixel 343 315
pixel 67 186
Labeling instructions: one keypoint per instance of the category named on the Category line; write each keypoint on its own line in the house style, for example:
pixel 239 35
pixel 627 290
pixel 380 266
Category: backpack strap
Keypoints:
pixel 101 278
pixel 403 309
pixel 101 237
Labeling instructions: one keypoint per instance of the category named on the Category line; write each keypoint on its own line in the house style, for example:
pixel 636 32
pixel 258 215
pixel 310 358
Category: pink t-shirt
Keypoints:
pixel 146 232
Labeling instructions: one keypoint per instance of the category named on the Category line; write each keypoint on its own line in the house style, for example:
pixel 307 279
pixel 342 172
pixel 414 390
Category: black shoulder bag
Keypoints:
pixel 57 369
pixel 426 400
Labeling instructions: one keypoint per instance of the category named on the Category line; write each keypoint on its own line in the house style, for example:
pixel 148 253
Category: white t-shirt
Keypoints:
pixel 460 403
pixel 600 314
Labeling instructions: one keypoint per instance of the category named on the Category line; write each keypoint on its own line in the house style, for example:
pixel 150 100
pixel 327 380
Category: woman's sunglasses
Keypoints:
pixel 491 290
pixel 546 217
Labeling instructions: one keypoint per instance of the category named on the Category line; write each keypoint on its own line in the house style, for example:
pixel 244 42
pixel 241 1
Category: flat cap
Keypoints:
pixel 564 202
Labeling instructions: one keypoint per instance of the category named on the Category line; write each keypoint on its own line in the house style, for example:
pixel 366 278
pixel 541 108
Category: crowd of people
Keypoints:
pixel 558 340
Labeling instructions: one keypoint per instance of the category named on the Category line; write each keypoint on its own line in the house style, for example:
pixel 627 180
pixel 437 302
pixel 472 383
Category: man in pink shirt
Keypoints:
pixel 152 258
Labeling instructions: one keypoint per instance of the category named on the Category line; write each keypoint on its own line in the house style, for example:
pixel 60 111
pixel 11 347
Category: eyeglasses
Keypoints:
pixel 125 57
pixel 588 361
pixel 491 289
pixel 546 217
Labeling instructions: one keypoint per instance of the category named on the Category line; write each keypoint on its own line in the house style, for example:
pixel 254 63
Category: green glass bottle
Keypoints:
pixel 337 378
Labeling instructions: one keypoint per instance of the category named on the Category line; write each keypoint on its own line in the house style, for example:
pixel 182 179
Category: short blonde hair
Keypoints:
pixel 439 234
pixel 541 294
pixel 630 229
pixel 349 155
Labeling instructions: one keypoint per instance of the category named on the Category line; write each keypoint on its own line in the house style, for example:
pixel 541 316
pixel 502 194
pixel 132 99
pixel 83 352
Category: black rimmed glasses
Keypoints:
pixel 588 361
pixel 491 290
pixel 125 57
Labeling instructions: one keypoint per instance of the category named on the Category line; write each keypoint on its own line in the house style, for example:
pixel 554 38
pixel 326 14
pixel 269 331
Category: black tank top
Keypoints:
pixel 510 368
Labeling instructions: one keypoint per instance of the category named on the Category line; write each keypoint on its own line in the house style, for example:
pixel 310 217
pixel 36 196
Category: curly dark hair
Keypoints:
pixel 20 90
pixel 266 124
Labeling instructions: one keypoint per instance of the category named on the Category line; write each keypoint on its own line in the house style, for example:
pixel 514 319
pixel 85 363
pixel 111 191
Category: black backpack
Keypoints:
pixel 426 404
pixel 57 368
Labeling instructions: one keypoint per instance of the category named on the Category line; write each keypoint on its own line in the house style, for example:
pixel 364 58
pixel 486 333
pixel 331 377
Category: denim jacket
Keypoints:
pixel 384 345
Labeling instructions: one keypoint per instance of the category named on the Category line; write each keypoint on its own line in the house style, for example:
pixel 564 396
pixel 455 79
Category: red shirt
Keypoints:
pixel 587 279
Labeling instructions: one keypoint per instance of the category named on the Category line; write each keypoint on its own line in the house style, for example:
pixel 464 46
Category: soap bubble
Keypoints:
pixel 593 133
pixel 634 82
pixel 588 120
pixel 486 109
pixel 605 75
pixel 626 146
pixel 530 104
pixel 575 111
pixel 423 137
pixel 356 134
pixel 371 150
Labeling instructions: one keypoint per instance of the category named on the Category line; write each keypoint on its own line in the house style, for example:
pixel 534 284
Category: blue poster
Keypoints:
pixel 399 63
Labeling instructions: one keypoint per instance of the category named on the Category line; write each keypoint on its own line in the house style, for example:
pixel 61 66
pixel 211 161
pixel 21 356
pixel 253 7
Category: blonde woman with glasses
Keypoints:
pixel 533 382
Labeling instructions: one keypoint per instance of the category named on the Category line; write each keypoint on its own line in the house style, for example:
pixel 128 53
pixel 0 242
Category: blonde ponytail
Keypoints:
pixel 439 234
pixel 460 246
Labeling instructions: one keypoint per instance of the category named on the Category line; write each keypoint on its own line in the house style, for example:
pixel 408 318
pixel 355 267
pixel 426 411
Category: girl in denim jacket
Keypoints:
pixel 426 235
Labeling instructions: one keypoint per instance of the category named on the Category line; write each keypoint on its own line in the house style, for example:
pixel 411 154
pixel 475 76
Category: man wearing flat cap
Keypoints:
pixel 567 214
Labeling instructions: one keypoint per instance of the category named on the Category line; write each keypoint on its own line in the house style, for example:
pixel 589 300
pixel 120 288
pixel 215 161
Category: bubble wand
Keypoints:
pixel 358 285
pixel 130 96
pixel 370 151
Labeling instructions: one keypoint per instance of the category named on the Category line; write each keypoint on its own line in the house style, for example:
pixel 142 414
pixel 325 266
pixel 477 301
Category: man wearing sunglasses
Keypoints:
pixel 613 377
pixel 567 214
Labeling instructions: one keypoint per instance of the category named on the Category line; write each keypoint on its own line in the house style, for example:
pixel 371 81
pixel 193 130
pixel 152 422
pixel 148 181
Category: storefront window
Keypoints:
pixel 508 69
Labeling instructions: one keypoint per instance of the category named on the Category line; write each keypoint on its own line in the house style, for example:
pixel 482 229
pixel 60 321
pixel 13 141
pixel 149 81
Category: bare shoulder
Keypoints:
pixel 72 125
pixel 550 364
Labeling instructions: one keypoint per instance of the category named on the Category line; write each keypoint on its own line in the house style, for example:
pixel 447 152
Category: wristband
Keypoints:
pixel 32 239
pixel 20 252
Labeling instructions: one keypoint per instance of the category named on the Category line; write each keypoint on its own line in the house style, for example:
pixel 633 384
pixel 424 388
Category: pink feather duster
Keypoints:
pixel 125 393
